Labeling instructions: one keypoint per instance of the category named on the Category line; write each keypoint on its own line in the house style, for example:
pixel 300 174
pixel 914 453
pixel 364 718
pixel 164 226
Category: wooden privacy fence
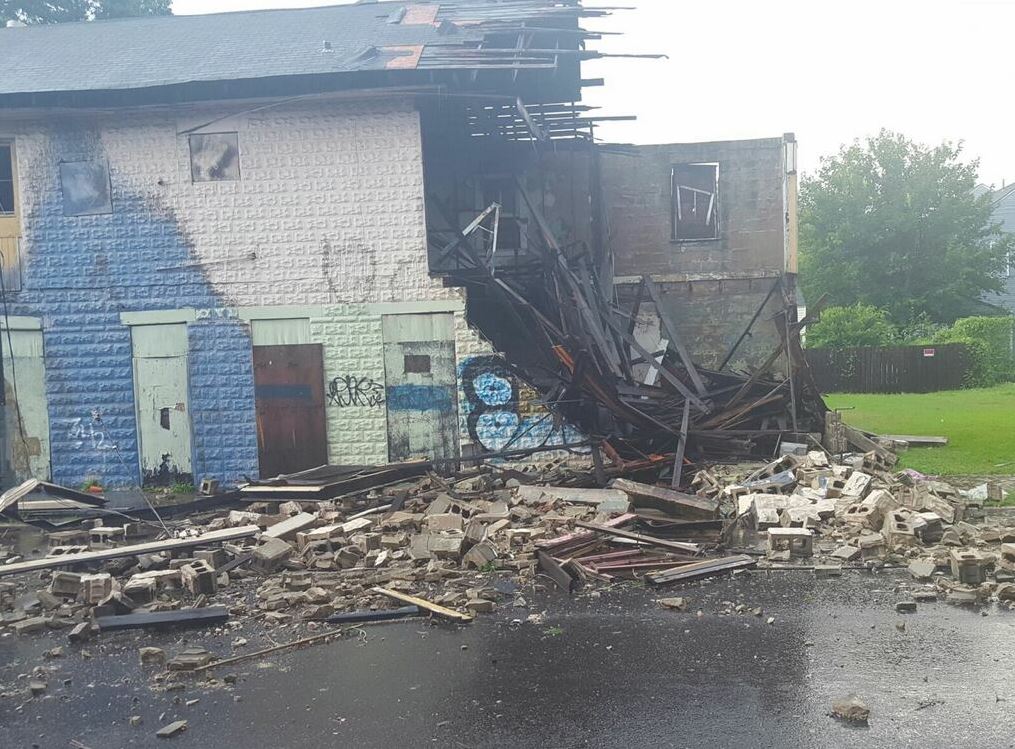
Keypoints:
pixel 890 369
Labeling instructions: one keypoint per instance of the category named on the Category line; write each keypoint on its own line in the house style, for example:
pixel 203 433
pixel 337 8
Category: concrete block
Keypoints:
pixel 898 530
pixel 288 528
pixel 922 569
pixel 480 555
pixel 215 557
pixel 199 578
pixel 448 521
pixel 846 553
pixel 270 555
pixel 1007 559
pixel 65 584
pixel 797 541
pixel 140 590
pixel 969 567
pixel 96 587
pixel 857 484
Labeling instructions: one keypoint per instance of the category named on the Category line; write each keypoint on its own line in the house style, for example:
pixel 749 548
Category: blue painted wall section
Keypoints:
pixel 500 412
pixel 80 274
pixel 223 415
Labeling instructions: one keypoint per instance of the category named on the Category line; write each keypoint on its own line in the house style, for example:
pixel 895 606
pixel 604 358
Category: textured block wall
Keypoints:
pixel 354 384
pixel 329 211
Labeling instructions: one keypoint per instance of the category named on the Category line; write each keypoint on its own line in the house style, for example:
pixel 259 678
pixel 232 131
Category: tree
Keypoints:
pixel 859 325
pixel 60 11
pixel 897 225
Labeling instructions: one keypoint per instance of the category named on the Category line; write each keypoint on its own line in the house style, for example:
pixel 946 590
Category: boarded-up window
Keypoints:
pixel 214 157
pixel 85 187
pixel 6 179
pixel 417 364
pixel 694 190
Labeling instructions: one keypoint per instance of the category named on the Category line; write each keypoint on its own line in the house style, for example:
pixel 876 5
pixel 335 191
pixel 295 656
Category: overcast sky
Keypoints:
pixel 828 70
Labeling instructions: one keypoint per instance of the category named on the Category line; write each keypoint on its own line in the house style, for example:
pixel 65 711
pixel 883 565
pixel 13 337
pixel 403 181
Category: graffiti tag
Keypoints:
pixel 349 390
pixel 504 413
pixel 84 433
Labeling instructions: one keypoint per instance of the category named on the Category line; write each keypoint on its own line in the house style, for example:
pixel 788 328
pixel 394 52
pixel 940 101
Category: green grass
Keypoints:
pixel 979 424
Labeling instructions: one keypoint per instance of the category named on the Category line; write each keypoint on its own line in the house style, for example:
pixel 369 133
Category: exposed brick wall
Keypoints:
pixel 637 195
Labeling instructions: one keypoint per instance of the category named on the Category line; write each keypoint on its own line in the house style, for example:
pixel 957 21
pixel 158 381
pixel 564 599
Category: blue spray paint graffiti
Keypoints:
pixel 420 398
pixel 502 413
pixel 81 273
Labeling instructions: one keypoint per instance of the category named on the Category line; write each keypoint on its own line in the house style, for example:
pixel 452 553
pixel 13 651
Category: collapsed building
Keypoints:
pixel 250 244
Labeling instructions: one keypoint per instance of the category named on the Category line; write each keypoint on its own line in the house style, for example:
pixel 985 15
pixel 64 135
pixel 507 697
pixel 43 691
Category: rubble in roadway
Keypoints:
pixel 363 546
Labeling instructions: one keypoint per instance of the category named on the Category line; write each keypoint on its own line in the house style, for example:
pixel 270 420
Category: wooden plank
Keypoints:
pixel 424 604
pixel 289 527
pixel 566 494
pixel 671 378
pixel 918 440
pixel 350 617
pixel 46 563
pixel 553 544
pixel 677 546
pixel 557 573
pixel 678 458
pixel 666 500
pixel 176 618
pixel 699 570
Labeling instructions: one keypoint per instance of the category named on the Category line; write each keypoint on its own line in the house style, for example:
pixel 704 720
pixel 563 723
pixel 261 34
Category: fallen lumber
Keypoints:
pixel 350 617
pixel 175 618
pixel 274 649
pixel 698 570
pixel 677 546
pixel 666 500
pixel 560 576
pixel 9 499
pixel 424 604
pixel 152 547
pixel 915 440
pixel 553 545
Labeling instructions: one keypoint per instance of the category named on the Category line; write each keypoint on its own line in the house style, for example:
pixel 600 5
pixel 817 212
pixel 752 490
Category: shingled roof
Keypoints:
pixel 44 63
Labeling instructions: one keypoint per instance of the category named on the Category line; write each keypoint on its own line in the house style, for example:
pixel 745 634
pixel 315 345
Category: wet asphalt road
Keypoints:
pixel 617 671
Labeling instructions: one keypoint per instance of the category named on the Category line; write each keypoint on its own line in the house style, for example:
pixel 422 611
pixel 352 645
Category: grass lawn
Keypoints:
pixel 980 426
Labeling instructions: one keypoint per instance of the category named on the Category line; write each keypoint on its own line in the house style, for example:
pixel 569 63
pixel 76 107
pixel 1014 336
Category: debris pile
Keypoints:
pixel 407 542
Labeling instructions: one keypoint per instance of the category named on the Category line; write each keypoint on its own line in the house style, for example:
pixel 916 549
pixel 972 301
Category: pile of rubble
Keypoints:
pixel 454 548
pixel 859 510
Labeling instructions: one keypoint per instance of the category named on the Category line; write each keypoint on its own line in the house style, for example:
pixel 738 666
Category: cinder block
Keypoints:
pixel 969 567
pixel 96 587
pixel 798 542
pixel 199 578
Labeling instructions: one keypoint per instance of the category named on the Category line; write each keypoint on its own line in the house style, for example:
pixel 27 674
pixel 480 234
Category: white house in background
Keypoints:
pixel 1004 212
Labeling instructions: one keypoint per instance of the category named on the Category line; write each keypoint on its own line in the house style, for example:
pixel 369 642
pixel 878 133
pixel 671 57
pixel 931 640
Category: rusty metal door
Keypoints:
pixel 289 388
pixel 162 402
pixel 421 390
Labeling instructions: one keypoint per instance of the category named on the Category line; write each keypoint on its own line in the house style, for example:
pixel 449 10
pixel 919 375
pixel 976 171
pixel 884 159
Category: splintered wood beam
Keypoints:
pixel 671 378
pixel 677 546
pixel 671 331
pixel 678 459
pixel 433 608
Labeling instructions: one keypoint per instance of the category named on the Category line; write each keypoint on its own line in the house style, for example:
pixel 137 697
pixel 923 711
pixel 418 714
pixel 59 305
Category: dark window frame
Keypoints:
pixel 691 189
pixel 11 164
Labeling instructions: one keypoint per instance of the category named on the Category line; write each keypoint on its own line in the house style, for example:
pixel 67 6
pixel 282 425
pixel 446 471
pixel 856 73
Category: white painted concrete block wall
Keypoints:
pixel 329 211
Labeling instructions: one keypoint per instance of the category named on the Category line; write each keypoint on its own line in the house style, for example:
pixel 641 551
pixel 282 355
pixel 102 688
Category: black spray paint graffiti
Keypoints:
pixel 350 390
pixel 503 413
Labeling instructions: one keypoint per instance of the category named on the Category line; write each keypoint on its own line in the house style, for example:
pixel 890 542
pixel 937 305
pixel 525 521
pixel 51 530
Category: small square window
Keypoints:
pixel 694 191
pixel 86 190
pixel 417 364
pixel 6 179
pixel 215 157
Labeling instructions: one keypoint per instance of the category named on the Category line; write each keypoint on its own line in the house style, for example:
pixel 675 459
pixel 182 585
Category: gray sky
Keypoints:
pixel 830 71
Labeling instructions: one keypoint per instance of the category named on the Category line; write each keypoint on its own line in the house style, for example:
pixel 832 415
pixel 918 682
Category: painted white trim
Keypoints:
pixel 16 322
pixel 415 308
pixel 188 314
pixel 158 317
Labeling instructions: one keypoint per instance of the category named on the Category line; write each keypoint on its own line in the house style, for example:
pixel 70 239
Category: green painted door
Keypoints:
pixel 27 410
pixel 421 392
pixel 160 395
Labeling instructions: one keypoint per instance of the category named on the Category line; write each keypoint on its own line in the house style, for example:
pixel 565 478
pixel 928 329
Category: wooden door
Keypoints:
pixel 162 402
pixel 420 386
pixel 28 413
pixel 289 388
